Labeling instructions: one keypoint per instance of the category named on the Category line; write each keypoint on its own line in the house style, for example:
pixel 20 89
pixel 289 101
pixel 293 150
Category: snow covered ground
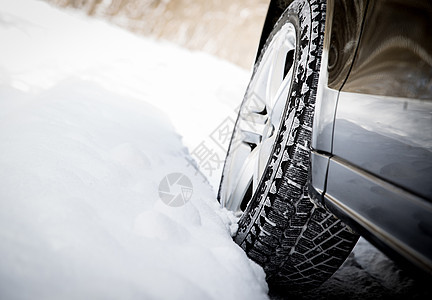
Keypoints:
pixel 83 149
pixel 92 120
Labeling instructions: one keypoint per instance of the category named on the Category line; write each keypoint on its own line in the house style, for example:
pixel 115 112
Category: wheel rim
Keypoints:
pixel 259 120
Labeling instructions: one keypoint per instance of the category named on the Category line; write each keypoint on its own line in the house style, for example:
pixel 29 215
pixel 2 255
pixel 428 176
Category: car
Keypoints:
pixel 333 139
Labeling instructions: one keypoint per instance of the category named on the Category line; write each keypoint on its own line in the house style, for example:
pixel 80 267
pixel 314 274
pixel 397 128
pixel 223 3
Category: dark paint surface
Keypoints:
pixel 382 125
pixel 347 20
pixel 400 220
pixel 388 137
pixel 394 57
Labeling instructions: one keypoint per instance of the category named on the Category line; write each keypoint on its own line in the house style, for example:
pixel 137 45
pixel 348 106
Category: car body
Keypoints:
pixel 371 156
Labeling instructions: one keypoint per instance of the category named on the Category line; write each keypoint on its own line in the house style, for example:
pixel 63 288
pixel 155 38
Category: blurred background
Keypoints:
pixel 225 28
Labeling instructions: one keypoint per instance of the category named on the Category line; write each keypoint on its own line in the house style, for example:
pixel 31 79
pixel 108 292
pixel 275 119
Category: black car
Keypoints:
pixel 334 139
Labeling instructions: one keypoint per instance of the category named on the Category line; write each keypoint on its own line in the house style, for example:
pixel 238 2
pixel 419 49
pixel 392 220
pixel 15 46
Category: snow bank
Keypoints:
pixel 44 46
pixel 82 154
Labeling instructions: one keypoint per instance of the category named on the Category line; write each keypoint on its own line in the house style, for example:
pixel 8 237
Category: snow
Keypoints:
pixel 92 119
pixel 84 145
pixel 46 46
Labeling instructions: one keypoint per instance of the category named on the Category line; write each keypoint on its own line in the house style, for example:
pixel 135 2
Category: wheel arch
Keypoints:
pixel 274 12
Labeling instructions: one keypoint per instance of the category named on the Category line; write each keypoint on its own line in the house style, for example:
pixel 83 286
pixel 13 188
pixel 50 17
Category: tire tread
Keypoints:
pixel 298 244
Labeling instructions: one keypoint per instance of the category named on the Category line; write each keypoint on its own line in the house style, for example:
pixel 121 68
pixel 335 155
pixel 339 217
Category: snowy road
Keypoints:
pixel 90 118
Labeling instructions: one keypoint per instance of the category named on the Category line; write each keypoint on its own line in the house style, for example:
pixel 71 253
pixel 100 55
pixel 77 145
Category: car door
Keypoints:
pixel 381 168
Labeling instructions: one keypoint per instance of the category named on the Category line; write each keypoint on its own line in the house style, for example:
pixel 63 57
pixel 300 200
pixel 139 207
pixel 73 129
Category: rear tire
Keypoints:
pixel 298 244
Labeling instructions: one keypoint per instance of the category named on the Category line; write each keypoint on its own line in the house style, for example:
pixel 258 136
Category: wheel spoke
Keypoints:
pixel 277 70
pixel 275 77
pixel 241 185
pixel 281 99
pixel 254 117
pixel 250 137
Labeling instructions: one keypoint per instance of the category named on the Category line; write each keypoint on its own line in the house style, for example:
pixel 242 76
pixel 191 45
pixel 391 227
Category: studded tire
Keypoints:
pixel 298 244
